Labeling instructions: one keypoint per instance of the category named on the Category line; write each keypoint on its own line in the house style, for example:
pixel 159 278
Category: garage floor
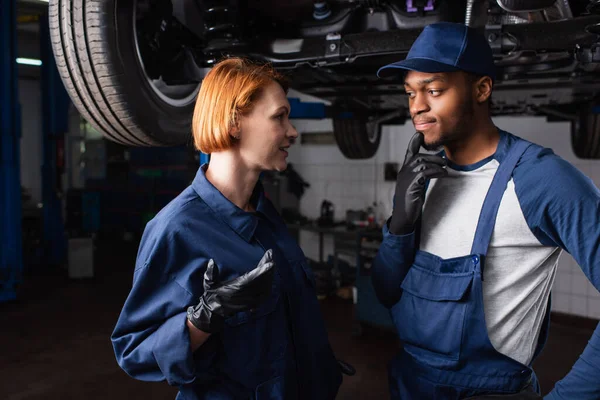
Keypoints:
pixel 55 341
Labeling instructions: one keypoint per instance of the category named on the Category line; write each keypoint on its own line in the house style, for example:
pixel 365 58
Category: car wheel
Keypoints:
pixel 95 43
pixel 356 138
pixel 585 133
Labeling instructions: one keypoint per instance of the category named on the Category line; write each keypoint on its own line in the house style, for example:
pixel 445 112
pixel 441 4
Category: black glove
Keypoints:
pixel 243 293
pixel 410 185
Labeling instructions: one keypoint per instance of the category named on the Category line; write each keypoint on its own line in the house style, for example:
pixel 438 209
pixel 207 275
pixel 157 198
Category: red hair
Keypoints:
pixel 229 90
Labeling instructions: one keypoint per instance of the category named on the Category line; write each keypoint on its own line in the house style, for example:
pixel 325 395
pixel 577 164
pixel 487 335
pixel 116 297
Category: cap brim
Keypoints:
pixel 414 64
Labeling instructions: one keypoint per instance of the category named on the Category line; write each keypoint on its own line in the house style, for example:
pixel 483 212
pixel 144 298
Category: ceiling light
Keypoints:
pixel 29 61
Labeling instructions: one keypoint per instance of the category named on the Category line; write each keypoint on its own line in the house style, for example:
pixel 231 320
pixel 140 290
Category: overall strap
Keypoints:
pixel 489 211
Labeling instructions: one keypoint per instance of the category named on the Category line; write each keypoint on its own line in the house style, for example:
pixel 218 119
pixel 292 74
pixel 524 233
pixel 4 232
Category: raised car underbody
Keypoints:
pixel 546 51
pixel 133 67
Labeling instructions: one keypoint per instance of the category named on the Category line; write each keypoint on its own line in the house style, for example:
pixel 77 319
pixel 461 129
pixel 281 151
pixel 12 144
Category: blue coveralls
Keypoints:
pixel 278 351
pixel 440 319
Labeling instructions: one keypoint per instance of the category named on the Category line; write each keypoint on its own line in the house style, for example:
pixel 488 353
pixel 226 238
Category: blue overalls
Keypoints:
pixel 280 350
pixel 440 319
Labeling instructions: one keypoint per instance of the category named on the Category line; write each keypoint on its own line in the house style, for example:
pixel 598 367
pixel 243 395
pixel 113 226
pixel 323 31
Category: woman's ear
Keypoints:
pixel 235 131
pixel 236 128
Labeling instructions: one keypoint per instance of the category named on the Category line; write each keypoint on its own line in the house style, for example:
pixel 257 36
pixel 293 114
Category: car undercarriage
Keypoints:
pixel 133 68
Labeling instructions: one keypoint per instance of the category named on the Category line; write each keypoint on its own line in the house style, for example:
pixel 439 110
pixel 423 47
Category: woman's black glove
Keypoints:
pixel 243 293
pixel 410 185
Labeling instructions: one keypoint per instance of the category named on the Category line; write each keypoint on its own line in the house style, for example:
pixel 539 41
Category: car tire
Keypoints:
pixel 94 44
pixel 353 139
pixel 585 133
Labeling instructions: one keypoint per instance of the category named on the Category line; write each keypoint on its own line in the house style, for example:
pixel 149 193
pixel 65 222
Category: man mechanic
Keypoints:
pixel 470 252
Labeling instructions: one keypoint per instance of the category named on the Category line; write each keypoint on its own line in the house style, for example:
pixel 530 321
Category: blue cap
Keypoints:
pixel 446 47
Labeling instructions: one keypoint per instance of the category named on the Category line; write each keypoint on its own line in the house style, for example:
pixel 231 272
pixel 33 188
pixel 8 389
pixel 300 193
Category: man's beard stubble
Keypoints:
pixel 459 132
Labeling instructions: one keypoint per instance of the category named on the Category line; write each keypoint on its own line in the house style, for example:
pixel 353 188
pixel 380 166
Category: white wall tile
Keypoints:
pixel 561 303
pixel 564 261
pixel 368 173
pixel 594 295
pixel 591 289
pixel 335 188
pixel 562 283
pixel 555 135
pixel 334 172
pixel 339 172
pixel 572 266
pixel 309 242
pixel 579 285
pixel 380 168
pixel 319 172
pixel 586 168
pixel 579 305
pixel 310 206
pixel 295 154
pixel 595 175
pixel 593 308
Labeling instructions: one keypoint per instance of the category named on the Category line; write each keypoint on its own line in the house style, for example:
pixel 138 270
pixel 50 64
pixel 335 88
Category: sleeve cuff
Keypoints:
pixel 402 241
pixel 172 351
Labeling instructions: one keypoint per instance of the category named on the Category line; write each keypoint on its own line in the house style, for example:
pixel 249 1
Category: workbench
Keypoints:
pixel 338 231
pixel 362 244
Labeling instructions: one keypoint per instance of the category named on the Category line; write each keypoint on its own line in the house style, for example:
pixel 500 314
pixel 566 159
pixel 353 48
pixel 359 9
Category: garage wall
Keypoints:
pixel 354 184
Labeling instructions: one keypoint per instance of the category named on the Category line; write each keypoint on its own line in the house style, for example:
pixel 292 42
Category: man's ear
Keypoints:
pixel 483 89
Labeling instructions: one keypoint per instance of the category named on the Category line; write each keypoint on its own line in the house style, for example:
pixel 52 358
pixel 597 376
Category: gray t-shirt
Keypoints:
pixel 519 270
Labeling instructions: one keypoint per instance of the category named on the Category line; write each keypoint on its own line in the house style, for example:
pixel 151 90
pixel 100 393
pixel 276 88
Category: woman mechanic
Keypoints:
pixel 223 302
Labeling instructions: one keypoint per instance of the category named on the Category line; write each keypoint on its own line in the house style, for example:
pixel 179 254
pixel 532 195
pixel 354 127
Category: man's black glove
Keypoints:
pixel 243 293
pixel 410 185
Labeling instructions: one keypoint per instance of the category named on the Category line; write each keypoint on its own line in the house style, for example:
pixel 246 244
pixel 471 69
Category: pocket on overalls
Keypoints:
pixel 253 340
pixel 431 313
